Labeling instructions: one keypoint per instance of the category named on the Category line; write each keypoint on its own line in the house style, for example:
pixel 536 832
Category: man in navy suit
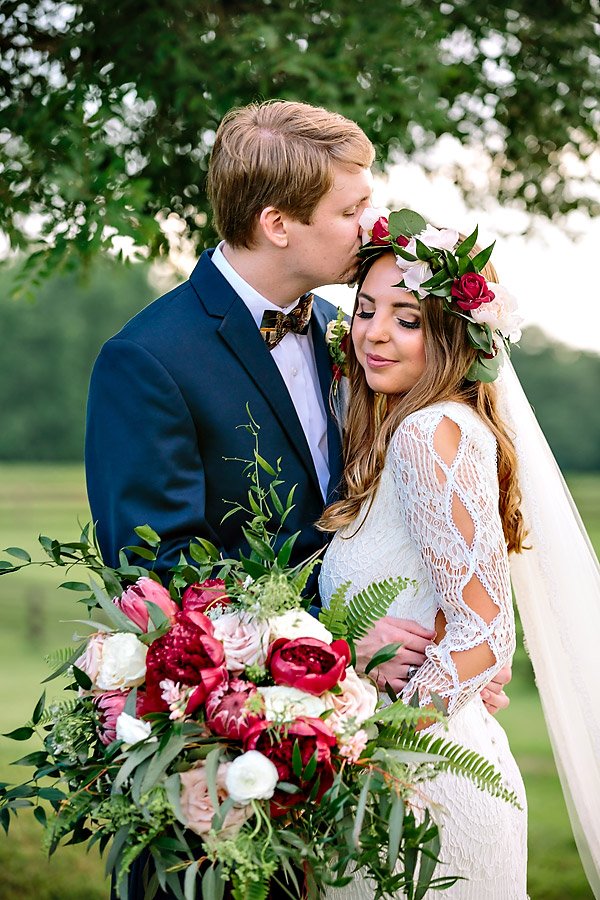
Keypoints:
pixel 288 183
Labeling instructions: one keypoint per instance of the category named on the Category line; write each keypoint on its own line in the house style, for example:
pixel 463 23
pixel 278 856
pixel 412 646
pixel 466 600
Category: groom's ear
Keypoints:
pixel 272 223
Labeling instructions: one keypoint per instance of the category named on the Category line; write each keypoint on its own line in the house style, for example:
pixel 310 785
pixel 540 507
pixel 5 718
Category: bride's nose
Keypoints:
pixel 377 330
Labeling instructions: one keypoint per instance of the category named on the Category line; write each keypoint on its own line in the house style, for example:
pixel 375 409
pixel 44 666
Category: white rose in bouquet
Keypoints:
pixel 297 623
pixel 284 704
pixel 131 730
pixel 251 776
pixel 123 662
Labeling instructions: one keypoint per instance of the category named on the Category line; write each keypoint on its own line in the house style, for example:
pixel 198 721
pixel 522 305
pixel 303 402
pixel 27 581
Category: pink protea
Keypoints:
pixel 110 705
pixel 132 601
pixel 226 711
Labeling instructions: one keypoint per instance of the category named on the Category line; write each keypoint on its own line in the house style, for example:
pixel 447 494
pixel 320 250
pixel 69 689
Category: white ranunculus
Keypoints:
pixel 131 730
pixel 123 663
pixel 439 238
pixel 251 776
pixel 284 704
pixel 500 313
pixel 297 623
pixel 368 218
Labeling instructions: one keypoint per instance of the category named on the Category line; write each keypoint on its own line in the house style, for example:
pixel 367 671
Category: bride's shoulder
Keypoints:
pixel 449 420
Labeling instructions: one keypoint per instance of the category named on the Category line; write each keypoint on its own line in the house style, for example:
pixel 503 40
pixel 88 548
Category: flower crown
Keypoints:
pixel 435 262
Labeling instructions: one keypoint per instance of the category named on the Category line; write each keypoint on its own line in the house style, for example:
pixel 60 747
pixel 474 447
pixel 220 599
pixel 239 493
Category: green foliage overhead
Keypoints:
pixel 108 111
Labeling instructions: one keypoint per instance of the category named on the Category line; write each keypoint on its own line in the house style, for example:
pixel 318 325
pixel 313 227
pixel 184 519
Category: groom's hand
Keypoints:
pixel 389 630
pixel 493 694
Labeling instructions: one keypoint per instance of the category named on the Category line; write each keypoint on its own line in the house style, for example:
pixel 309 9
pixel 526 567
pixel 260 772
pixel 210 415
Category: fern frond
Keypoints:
pixel 371 604
pixel 452 758
pixel 400 714
pixel 57 658
pixel 299 581
pixel 335 615
pixel 59 710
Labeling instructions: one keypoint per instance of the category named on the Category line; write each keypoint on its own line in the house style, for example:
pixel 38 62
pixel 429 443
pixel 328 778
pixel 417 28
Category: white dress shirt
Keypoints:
pixel 295 358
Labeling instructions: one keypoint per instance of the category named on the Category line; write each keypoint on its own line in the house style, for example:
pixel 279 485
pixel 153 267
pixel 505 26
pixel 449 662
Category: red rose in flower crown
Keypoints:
pixel 380 233
pixel 470 291
pixel 308 664
pixel 205 595
pixel 187 654
pixel 276 742
pixel 226 712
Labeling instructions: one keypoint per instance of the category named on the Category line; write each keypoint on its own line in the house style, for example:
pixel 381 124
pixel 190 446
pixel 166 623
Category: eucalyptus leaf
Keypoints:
pixel 406 222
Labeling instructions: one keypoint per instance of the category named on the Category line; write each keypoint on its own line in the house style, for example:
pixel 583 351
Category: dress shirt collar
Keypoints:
pixel 256 303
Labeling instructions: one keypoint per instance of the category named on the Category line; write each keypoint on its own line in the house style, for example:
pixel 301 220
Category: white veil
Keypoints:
pixel 557 589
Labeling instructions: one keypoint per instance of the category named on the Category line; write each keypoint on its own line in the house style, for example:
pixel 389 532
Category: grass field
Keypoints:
pixel 50 499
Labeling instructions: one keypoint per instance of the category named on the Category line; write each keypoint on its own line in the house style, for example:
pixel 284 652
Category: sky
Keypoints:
pixel 552 274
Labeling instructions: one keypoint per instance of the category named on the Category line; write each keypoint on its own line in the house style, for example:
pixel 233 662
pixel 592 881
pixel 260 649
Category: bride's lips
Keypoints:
pixel 379 362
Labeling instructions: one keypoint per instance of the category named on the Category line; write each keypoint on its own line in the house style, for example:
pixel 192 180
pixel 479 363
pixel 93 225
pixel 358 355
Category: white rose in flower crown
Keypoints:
pixel 368 218
pixel 438 238
pixel 357 701
pixel 284 704
pixel 123 663
pixel 131 730
pixel 251 776
pixel 500 313
pixel 245 642
pixel 297 623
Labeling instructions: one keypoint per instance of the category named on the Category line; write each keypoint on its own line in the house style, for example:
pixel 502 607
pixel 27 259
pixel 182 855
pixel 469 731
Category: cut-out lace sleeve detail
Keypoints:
pixel 461 563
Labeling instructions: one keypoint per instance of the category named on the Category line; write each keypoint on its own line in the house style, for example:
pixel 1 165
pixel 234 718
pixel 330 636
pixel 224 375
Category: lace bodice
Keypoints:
pixel 416 528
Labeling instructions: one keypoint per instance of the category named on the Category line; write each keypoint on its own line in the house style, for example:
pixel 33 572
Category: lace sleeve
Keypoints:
pixel 449 496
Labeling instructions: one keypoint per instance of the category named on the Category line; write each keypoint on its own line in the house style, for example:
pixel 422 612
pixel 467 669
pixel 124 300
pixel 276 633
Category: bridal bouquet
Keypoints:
pixel 221 729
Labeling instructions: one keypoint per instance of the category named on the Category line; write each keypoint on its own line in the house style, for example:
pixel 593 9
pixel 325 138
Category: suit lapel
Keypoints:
pixel 319 323
pixel 238 330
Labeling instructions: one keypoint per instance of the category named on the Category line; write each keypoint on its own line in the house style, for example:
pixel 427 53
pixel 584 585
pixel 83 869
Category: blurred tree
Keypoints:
pixel 108 111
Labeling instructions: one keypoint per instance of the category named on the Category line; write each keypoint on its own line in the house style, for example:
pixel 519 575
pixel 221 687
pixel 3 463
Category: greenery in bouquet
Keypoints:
pixel 219 727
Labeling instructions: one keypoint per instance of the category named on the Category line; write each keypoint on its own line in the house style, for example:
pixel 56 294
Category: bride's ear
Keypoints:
pixel 272 224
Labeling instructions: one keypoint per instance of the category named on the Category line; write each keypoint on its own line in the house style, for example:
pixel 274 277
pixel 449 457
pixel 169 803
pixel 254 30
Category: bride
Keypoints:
pixel 431 493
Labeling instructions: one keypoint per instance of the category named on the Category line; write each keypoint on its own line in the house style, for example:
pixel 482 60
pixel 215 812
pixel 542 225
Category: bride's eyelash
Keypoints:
pixel 363 314
pixel 406 324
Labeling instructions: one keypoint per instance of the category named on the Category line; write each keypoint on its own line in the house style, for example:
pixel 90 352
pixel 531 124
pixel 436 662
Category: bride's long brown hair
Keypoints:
pixel 449 356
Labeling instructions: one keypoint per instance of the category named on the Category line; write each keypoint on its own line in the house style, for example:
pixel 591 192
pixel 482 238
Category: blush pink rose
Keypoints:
pixel 132 601
pixel 196 804
pixel 357 701
pixel 91 658
pixel 245 643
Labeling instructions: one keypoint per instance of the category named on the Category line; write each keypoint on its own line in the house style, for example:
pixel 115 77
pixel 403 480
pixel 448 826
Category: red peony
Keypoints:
pixel 470 291
pixel 308 664
pixel 204 595
pixel 226 713
pixel 380 233
pixel 189 655
pixel 276 742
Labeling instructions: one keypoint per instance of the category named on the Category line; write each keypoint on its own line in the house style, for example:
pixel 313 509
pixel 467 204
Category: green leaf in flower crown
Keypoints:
pixel 424 253
pixel 451 263
pixel 406 222
pixel 484 370
pixel 479 261
pixel 480 336
pixel 467 245
pixel 400 251
pixel 436 280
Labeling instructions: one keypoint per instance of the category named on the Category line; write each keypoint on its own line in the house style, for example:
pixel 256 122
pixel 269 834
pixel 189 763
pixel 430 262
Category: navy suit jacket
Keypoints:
pixel 167 395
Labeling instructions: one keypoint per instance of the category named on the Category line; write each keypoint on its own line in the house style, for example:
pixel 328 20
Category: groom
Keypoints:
pixel 288 183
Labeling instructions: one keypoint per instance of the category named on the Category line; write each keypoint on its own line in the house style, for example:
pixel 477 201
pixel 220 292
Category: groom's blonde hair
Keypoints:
pixel 279 153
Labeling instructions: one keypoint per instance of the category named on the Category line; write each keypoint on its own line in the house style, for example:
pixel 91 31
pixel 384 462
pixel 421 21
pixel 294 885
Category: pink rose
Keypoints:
pixel 205 595
pixel 357 701
pixel 245 643
pixel 470 291
pixel 196 804
pixel 132 601
pixel 91 658
pixel 226 711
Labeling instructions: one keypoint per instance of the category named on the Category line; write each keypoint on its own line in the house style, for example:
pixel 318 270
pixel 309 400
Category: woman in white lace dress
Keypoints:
pixel 430 494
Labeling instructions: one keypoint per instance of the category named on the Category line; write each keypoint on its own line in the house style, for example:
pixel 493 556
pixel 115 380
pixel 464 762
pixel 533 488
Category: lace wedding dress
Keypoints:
pixel 409 531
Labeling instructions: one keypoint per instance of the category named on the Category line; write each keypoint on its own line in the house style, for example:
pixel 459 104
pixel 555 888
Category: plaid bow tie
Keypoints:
pixel 275 325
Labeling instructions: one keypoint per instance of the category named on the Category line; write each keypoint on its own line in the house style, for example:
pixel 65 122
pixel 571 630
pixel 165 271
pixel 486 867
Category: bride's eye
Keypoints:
pixel 406 324
pixel 363 314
